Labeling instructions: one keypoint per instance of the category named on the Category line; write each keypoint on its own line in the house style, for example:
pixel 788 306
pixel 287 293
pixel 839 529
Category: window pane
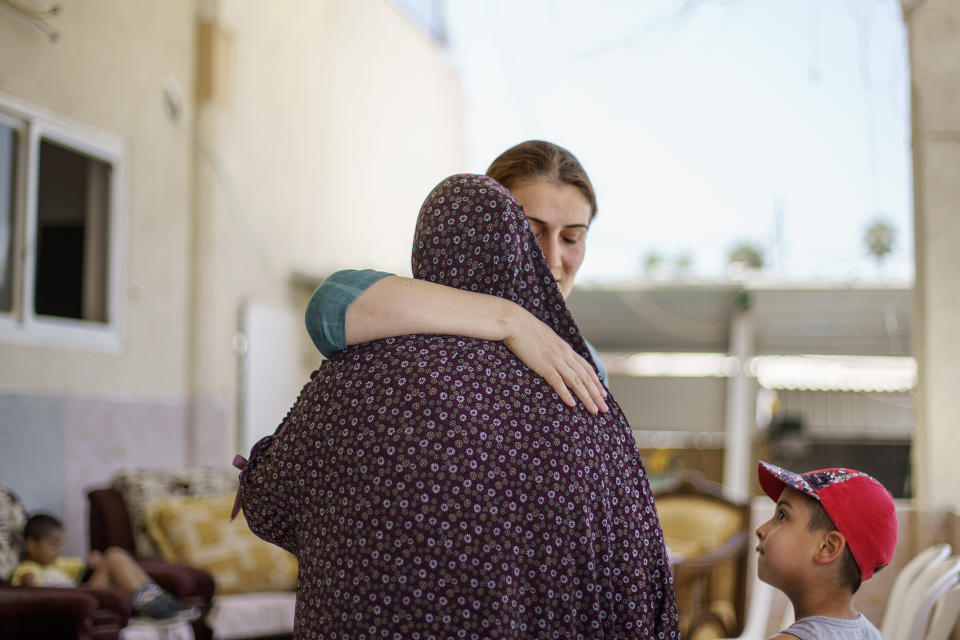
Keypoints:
pixel 72 205
pixel 8 157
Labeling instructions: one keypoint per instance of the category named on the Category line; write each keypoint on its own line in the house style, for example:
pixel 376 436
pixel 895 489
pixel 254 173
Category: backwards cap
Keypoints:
pixel 860 507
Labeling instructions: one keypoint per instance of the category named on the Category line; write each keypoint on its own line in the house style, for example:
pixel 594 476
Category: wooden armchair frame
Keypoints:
pixel 696 575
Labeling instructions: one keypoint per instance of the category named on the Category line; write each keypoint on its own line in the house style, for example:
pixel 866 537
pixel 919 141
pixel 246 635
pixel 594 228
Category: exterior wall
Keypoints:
pixel 691 405
pixel 396 130
pixel 934 35
pixel 56 447
pixel 69 418
pixel 114 84
pixel 308 136
pixel 320 140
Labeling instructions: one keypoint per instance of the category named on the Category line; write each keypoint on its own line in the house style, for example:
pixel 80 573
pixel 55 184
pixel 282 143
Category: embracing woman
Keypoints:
pixel 433 486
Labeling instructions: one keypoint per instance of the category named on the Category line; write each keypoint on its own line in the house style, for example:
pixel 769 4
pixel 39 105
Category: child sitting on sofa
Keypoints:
pixel 831 530
pixel 43 566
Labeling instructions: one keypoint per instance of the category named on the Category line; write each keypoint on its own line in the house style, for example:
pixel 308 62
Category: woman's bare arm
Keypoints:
pixel 395 305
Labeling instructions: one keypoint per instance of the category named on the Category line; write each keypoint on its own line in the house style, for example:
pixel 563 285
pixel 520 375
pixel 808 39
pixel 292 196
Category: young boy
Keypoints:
pixel 831 530
pixel 43 566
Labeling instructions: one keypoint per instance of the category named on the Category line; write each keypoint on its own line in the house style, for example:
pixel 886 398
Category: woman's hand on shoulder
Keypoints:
pixel 395 306
pixel 549 356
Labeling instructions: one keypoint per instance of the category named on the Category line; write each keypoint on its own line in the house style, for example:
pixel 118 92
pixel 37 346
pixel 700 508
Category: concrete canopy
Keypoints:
pixel 830 319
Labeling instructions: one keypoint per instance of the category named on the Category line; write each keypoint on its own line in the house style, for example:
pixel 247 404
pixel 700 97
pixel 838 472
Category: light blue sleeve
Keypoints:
pixel 326 315
pixel 596 358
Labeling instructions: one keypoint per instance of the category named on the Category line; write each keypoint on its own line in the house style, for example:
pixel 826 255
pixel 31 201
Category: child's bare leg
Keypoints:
pixel 119 570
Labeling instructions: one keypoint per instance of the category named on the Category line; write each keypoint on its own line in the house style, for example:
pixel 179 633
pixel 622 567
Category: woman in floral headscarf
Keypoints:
pixel 432 486
pixel 559 202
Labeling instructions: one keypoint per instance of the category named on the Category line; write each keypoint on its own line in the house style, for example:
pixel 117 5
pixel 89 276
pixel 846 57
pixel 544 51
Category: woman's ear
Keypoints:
pixel 831 547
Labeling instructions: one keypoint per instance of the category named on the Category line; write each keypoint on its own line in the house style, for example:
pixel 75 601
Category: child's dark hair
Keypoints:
pixel 40 526
pixel 849 571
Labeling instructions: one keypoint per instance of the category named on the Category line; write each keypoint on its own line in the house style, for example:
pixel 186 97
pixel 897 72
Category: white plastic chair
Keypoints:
pixel 925 591
pixel 945 615
pixel 930 556
pixel 921 573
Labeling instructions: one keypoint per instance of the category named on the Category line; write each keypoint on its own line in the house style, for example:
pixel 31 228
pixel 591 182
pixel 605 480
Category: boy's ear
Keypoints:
pixel 831 547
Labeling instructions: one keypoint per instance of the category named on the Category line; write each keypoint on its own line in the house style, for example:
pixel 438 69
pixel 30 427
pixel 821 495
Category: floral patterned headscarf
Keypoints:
pixel 472 235
pixel 432 486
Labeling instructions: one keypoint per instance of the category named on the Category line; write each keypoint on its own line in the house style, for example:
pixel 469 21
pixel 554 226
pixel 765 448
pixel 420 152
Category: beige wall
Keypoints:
pixel 396 131
pixel 106 71
pixel 314 133
pixel 85 413
pixel 934 36
pixel 331 123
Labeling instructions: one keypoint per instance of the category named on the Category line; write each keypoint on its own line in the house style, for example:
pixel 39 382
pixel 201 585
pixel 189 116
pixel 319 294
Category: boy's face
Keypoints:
pixel 786 544
pixel 46 549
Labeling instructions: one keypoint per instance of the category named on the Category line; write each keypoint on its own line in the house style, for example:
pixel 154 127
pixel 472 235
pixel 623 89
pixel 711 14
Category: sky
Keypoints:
pixel 706 123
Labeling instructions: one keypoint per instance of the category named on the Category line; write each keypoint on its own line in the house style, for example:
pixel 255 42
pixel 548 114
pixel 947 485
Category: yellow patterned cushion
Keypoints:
pixel 140 486
pixel 197 531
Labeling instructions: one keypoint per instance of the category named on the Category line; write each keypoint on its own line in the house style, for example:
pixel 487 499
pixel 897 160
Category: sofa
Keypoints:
pixel 184 516
pixel 80 613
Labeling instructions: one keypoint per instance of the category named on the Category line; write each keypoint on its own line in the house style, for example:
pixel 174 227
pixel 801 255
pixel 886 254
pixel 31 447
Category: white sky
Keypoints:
pixel 695 119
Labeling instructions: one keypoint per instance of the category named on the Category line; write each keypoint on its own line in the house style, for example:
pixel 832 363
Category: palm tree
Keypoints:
pixel 683 264
pixel 880 237
pixel 652 264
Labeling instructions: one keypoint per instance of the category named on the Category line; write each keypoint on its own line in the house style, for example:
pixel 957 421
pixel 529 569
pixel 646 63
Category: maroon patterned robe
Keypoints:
pixel 432 486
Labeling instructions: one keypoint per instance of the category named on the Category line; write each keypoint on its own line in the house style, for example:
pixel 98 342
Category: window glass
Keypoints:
pixel 8 156
pixel 71 262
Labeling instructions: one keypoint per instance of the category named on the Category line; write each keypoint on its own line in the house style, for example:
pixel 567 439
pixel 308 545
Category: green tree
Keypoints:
pixel 652 263
pixel 747 254
pixel 880 237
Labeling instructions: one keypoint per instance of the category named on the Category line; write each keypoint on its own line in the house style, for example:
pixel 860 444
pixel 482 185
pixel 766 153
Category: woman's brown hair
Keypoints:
pixel 535 159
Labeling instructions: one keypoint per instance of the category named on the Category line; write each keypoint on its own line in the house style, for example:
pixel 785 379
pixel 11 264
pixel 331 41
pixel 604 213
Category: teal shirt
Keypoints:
pixel 326 315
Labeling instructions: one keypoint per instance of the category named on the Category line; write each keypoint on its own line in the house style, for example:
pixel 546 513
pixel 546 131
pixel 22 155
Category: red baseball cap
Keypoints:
pixel 860 507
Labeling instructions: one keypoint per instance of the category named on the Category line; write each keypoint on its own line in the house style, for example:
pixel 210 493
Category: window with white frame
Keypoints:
pixel 60 231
